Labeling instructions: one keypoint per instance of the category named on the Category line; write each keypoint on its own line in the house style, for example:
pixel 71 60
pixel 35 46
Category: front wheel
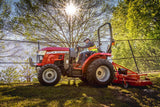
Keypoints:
pixel 100 73
pixel 125 85
pixel 49 75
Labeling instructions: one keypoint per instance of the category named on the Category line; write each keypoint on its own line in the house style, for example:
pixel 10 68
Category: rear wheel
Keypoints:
pixel 49 75
pixel 100 73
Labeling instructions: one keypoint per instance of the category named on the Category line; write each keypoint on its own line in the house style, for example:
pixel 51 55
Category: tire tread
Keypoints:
pixel 91 72
pixel 40 73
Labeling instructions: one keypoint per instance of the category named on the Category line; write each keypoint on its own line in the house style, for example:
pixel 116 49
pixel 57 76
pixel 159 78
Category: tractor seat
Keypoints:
pixel 92 52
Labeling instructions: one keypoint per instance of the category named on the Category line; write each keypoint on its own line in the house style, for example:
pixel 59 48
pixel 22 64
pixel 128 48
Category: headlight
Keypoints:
pixel 41 52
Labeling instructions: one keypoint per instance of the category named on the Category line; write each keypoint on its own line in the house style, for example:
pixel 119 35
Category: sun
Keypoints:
pixel 71 9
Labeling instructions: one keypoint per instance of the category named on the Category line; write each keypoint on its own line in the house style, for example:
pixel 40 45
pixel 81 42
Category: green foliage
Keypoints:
pixel 13 75
pixel 27 74
pixel 144 19
pixel 137 19
pixel 9 75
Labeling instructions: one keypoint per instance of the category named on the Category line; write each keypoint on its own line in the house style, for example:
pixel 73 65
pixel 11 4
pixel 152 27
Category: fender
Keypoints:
pixel 92 58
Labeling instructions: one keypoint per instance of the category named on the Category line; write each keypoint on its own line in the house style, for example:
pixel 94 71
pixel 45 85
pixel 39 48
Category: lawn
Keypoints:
pixel 80 95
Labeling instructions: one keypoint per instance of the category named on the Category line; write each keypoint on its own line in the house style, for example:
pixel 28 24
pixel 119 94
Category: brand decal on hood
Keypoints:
pixel 54 52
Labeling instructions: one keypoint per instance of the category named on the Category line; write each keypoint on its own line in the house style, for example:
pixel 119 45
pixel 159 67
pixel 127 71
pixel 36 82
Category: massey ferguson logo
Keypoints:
pixel 54 52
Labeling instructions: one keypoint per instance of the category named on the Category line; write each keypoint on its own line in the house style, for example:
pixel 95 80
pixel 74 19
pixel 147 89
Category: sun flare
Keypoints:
pixel 71 9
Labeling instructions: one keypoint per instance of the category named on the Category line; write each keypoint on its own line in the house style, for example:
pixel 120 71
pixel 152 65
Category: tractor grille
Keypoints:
pixel 40 58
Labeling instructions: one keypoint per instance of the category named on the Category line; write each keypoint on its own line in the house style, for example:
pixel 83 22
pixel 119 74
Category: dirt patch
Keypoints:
pixel 125 98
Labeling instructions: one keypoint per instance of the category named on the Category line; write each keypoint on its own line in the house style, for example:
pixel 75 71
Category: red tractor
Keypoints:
pixel 56 61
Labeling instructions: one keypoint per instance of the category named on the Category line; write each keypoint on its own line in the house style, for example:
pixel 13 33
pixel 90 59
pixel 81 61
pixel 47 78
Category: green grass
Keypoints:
pixel 79 95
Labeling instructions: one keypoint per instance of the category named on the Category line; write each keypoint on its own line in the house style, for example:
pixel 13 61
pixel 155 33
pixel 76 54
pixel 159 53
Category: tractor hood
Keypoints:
pixel 54 49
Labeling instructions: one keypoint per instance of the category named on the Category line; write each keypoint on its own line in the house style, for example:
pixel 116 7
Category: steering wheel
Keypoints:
pixel 77 48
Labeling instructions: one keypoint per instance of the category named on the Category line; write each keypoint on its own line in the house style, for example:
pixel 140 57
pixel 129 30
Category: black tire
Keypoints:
pixel 49 75
pixel 100 68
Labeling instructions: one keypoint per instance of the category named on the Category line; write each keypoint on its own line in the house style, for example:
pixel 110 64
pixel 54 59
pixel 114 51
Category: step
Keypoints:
pixel 75 68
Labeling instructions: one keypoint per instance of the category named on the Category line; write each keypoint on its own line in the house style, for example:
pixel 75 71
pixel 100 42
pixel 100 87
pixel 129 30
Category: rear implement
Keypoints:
pixel 127 77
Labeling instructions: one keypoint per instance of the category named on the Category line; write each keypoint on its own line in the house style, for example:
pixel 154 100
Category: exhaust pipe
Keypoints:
pixel 31 62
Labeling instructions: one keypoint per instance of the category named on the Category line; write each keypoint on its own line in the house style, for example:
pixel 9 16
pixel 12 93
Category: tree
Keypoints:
pixel 144 19
pixel 5 11
pixel 27 73
pixel 9 75
pixel 137 19
pixel 46 20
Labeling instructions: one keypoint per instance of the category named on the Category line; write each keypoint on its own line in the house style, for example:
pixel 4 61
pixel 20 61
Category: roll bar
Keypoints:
pixel 111 37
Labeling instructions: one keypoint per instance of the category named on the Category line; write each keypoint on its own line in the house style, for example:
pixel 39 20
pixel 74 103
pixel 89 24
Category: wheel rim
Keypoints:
pixel 49 75
pixel 103 73
pixel 125 85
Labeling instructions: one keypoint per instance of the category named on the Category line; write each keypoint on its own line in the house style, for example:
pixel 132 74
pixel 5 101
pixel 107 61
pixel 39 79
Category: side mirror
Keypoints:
pixel 77 49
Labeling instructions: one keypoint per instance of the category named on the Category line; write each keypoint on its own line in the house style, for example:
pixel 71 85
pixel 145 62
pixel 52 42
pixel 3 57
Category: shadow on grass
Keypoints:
pixel 67 95
pixel 81 94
